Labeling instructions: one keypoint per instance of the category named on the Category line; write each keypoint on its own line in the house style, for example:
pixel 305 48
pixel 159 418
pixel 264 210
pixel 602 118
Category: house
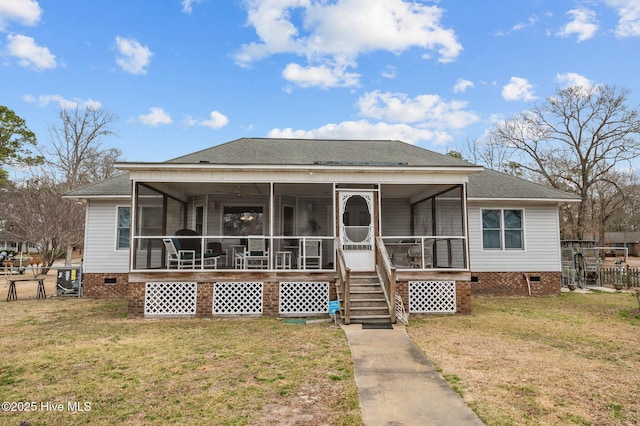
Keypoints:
pixel 629 240
pixel 281 226
pixel 9 244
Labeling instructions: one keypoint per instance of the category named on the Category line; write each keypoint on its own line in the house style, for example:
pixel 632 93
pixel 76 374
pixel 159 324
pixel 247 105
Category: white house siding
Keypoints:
pixel 541 234
pixel 101 255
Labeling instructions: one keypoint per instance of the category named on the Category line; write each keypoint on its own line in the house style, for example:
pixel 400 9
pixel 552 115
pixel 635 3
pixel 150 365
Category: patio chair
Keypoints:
pixel 310 254
pixel 420 260
pixel 182 258
pixel 215 249
pixel 256 255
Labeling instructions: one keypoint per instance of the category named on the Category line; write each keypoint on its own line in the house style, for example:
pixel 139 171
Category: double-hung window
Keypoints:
pixel 502 229
pixel 124 228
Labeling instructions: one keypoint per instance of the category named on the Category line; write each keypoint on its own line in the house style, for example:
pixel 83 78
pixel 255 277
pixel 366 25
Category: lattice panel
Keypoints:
pixel 171 299
pixel 432 296
pixel 304 297
pixel 237 298
pixel 401 314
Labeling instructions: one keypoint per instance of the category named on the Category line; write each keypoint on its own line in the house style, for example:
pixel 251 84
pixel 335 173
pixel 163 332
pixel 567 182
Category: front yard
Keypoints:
pixel 572 359
pixel 564 360
pixel 83 361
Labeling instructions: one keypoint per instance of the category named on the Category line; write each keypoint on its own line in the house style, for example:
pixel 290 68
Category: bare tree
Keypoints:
pixel 575 140
pixel 76 153
pixel 35 211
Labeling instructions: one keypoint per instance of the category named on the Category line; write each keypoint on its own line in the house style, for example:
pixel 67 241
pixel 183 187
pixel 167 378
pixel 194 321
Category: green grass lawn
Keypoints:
pixel 69 354
pixel 572 359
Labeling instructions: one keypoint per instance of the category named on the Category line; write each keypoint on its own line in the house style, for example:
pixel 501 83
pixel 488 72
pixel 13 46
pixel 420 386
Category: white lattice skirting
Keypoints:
pixel 304 297
pixel 237 298
pixel 170 299
pixel 432 296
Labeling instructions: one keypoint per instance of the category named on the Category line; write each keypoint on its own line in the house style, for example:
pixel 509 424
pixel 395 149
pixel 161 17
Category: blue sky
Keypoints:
pixel 183 75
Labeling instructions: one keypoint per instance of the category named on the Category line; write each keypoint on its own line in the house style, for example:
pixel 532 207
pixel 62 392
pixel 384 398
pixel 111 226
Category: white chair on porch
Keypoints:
pixel 420 260
pixel 178 258
pixel 256 256
pixel 310 254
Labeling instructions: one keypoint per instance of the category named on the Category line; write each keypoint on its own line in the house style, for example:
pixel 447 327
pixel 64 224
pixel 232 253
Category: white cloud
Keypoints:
pixel 45 100
pixel 583 24
pixel 522 25
pixel 216 120
pixel 462 85
pixel 134 58
pixel 573 79
pixel 320 76
pixel 187 5
pixel 518 89
pixel 363 129
pixel 429 111
pixel 26 12
pixel 629 13
pixel 29 54
pixel 334 34
pixel 155 117
pixel 389 72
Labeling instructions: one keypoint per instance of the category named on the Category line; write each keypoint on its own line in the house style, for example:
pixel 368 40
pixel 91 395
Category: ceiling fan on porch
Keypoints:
pixel 248 190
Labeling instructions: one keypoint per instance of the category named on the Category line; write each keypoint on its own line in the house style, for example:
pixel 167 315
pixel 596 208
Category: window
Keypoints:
pixel 502 230
pixel 124 228
pixel 242 220
pixel 199 220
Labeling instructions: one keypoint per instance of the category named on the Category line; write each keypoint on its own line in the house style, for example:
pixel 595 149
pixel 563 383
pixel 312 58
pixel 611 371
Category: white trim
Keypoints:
pixel 290 167
pixel 117 228
pixel 526 200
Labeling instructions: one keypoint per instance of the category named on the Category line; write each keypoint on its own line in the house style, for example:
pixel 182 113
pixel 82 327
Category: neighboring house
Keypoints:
pixel 629 240
pixel 280 226
pixel 9 244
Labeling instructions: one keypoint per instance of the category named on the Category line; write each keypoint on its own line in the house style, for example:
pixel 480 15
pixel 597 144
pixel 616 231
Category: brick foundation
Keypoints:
pixel 136 300
pixel 515 284
pixel 105 286
pixel 100 286
pixel 204 299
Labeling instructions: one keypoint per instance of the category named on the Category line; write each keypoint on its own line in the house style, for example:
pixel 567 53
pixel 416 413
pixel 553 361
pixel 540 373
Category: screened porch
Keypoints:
pixel 248 227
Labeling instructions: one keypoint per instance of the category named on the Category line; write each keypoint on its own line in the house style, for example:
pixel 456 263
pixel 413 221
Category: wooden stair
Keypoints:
pixel 368 304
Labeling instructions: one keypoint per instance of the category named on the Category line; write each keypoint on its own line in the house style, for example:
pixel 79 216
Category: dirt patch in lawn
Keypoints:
pixel 570 359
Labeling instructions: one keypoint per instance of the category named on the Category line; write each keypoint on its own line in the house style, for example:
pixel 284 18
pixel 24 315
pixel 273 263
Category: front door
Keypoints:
pixel 357 228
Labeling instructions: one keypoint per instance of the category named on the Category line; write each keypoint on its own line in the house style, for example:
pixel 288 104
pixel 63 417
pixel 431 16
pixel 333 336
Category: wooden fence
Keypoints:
pixel 628 277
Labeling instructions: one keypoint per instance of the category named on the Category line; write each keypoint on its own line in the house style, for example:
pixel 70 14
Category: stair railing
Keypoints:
pixel 387 273
pixel 344 281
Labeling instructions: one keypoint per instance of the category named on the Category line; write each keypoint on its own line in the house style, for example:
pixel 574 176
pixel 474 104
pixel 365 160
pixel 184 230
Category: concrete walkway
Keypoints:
pixel 398 385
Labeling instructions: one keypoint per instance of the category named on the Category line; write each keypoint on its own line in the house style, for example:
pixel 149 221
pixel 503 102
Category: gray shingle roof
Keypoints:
pixel 488 184
pixel 118 186
pixel 321 152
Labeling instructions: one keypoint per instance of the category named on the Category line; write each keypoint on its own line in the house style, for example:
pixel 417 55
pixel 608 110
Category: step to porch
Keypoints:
pixel 368 304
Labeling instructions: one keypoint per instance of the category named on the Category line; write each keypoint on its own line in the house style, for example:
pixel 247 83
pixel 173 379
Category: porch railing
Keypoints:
pixel 427 252
pixel 302 253
pixel 387 273
pixel 343 281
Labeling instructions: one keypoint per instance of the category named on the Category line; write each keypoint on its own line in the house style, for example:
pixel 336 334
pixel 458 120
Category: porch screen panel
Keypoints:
pixel 449 219
pixel 423 218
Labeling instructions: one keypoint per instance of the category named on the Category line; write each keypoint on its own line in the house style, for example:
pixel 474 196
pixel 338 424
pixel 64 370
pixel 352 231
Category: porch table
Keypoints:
pixel 40 293
pixel 283 260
